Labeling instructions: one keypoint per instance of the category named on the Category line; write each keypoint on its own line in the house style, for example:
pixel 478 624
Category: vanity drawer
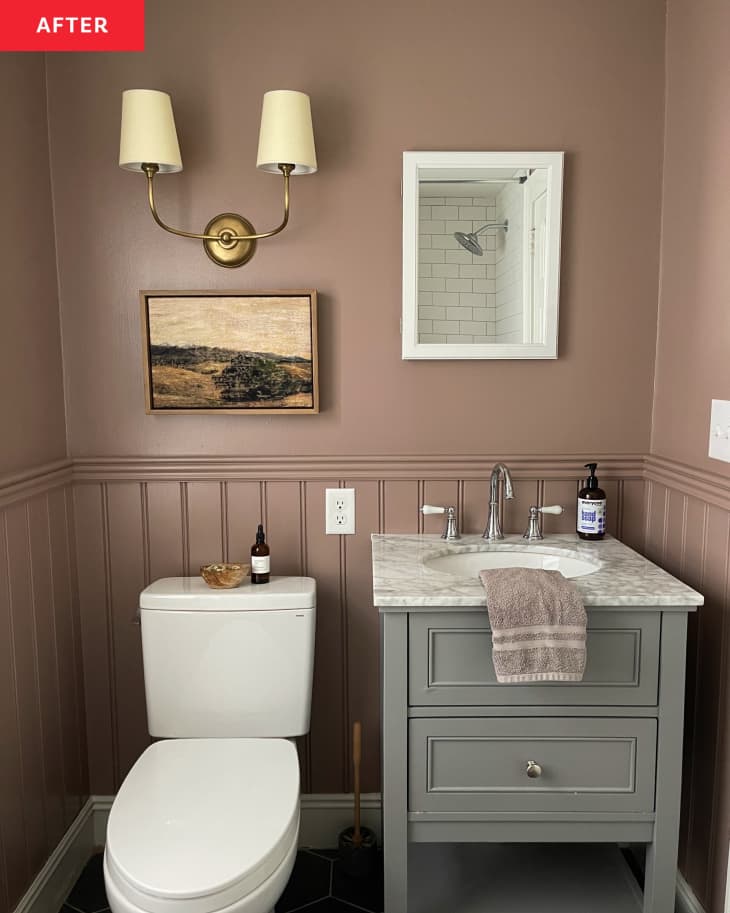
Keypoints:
pixel 587 765
pixel 450 663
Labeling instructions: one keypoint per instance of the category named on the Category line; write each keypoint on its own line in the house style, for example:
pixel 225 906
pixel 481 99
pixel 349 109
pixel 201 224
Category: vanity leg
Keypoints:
pixel 394 696
pixel 660 885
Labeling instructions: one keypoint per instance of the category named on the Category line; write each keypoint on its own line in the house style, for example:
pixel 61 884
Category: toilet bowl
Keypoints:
pixel 207 820
pixel 204 826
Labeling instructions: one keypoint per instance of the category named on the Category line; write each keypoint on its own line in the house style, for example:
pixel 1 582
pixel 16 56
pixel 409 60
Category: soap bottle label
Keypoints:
pixel 591 516
pixel 260 564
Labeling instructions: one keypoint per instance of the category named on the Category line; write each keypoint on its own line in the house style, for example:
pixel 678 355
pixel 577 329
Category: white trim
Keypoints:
pixel 325 815
pixel 52 884
pixel 102 807
pixel 686 900
pixel 474 163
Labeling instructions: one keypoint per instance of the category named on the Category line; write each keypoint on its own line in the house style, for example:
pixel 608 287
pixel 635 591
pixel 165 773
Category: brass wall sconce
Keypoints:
pixel 286 145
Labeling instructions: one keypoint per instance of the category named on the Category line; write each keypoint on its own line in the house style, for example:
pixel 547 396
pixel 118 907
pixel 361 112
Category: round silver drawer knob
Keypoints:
pixel 533 770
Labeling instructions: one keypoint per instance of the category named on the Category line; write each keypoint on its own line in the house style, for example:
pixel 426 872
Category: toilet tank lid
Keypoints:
pixel 192 594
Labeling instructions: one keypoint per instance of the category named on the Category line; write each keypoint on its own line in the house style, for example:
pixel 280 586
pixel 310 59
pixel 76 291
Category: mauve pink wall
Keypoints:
pixel 43 766
pixel 694 313
pixel 584 76
pixel 31 378
pixel 44 778
pixel 690 536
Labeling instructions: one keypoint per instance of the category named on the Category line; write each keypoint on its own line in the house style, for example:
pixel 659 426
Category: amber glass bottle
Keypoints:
pixel 591 519
pixel 260 561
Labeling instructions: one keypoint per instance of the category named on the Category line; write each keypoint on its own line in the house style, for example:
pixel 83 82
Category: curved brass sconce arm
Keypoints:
pixel 228 239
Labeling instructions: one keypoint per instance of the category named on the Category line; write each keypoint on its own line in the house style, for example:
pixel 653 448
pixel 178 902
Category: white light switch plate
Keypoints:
pixel 720 430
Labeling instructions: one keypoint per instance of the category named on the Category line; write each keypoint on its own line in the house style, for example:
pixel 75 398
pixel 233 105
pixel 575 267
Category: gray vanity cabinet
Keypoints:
pixel 468 760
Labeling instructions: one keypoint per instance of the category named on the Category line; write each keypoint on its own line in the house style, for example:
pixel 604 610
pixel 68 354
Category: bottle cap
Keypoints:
pixel 591 481
pixel 260 535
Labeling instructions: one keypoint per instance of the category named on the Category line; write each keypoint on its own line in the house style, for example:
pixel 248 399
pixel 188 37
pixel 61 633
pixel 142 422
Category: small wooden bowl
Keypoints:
pixel 224 576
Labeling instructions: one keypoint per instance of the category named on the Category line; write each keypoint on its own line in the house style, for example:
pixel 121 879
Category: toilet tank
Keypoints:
pixel 228 663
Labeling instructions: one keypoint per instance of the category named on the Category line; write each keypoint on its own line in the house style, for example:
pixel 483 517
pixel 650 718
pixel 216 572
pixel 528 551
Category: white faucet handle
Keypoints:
pixel 554 509
pixel 451 531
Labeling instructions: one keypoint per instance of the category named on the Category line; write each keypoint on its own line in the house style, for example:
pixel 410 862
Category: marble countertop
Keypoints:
pixel 623 578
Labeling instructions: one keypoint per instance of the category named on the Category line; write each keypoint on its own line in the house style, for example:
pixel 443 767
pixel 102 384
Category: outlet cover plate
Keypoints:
pixel 340 511
pixel 720 430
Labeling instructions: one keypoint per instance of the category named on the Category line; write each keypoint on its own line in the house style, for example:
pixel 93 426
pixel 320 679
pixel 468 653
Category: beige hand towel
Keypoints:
pixel 538 625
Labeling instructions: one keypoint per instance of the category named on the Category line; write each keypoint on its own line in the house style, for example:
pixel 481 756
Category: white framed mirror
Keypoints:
pixel 481 254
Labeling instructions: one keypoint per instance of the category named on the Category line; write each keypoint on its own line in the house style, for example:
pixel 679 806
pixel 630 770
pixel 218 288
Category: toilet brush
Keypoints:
pixel 357 846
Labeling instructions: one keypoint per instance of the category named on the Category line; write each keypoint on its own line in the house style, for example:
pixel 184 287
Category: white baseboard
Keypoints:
pixel 53 883
pixel 324 815
pixel 102 807
pixel 686 900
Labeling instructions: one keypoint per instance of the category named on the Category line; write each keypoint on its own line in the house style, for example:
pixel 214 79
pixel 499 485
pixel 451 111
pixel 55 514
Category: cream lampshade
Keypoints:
pixel 286 133
pixel 148 131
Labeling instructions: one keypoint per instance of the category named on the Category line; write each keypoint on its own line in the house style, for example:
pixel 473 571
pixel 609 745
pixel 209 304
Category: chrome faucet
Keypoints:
pixel 494 530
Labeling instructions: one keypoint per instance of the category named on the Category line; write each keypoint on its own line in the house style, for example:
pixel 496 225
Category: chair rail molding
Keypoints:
pixel 19 486
pixel 324 466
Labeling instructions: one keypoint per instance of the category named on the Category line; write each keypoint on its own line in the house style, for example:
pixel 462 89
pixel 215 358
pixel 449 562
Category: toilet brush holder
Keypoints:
pixel 357 846
pixel 358 860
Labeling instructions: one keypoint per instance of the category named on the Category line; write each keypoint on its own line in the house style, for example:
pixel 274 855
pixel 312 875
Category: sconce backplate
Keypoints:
pixel 227 252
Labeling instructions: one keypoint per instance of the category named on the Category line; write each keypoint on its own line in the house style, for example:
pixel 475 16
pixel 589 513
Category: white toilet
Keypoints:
pixel 207 821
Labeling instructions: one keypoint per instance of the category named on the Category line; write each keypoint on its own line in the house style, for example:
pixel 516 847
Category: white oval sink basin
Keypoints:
pixel 468 564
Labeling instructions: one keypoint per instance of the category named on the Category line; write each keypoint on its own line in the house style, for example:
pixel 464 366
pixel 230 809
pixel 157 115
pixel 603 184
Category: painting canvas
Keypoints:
pixel 252 352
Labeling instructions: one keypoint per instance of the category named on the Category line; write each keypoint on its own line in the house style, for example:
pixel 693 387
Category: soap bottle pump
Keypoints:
pixel 260 560
pixel 591 520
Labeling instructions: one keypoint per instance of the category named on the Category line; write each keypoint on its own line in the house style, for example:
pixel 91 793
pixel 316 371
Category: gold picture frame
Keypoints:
pixel 249 352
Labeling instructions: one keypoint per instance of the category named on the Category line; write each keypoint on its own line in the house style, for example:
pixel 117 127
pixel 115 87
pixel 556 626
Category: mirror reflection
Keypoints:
pixel 481 258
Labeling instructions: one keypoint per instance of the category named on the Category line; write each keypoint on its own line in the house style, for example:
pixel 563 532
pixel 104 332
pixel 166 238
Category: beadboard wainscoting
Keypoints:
pixel 132 520
pixel 688 533
pixel 138 520
pixel 43 765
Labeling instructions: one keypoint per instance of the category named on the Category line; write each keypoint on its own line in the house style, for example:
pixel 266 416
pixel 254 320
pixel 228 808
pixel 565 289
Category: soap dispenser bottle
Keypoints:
pixel 591 520
pixel 260 560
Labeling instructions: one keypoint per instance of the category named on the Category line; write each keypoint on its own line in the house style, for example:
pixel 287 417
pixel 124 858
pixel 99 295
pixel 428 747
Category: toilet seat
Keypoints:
pixel 199 824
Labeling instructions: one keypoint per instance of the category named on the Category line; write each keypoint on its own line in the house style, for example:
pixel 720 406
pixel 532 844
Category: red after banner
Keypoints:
pixel 65 25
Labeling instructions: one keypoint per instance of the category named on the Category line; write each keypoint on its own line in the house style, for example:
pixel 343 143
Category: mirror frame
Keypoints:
pixel 463 164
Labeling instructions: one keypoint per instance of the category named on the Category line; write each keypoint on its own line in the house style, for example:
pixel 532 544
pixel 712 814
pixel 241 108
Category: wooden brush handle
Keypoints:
pixel 356 759
pixel 356 743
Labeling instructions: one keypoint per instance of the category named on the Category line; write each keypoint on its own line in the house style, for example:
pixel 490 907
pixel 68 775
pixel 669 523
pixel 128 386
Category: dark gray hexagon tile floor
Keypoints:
pixel 318 885
pixel 88 894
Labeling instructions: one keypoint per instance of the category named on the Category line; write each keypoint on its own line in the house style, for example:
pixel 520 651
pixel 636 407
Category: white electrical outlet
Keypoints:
pixel 720 430
pixel 340 511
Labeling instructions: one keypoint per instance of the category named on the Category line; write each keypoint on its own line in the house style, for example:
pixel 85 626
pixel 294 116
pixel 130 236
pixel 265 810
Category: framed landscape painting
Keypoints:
pixel 243 352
